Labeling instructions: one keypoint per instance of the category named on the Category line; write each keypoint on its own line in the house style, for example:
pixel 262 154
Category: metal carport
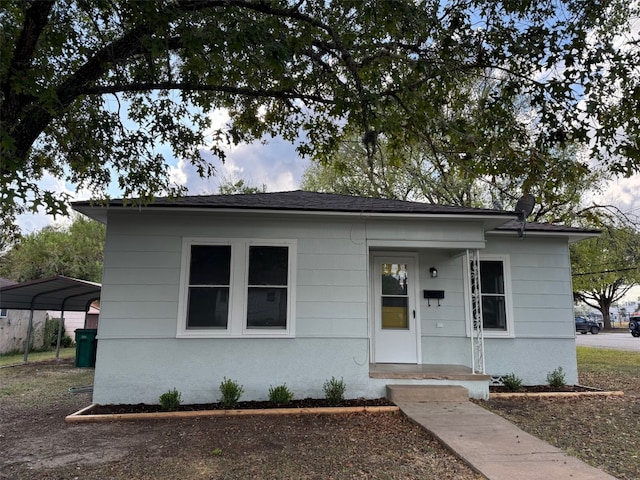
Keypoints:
pixel 60 293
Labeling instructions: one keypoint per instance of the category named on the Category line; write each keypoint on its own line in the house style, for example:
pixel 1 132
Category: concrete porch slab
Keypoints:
pixel 424 372
pixel 426 393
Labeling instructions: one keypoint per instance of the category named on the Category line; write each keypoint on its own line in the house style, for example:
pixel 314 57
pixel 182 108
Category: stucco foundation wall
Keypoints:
pixel 532 359
pixel 132 371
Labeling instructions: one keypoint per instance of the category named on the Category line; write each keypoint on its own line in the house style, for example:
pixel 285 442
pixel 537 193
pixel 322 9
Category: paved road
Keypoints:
pixel 617 341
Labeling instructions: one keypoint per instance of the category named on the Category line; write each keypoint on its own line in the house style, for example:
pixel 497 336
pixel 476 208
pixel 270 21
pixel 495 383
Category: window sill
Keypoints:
pixel 490 334
pixel 230 335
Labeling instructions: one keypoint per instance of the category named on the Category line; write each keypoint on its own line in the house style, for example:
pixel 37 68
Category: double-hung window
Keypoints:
pixel 495 296
pixel 495 289
pixel 268 287
pixel 237 287
pixel 494 305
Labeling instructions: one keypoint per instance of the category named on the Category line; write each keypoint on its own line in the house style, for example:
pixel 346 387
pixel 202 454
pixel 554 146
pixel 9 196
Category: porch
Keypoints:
pixel 427 381
pixel 424 372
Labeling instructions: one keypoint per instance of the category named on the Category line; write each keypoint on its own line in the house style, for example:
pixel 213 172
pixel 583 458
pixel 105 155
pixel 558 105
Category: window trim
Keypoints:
pixel 509 332
pixel 238 289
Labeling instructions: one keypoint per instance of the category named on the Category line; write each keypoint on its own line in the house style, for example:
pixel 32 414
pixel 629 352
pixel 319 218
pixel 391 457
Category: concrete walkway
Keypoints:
pixel 495 447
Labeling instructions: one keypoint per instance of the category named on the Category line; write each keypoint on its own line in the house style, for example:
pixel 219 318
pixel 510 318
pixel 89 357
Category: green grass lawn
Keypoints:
pixel 17 358
pixel 607 361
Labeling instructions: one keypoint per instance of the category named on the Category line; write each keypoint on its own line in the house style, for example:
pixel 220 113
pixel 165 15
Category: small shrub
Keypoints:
pixel 280 395
pixel 334 391
pixel 512 382
pixel 66 342
pixel 170 400
pixel 50 335
pixel 556 378
pixel 231 393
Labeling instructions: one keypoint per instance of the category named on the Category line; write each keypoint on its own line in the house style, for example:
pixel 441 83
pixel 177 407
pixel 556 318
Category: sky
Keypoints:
pixel 273 163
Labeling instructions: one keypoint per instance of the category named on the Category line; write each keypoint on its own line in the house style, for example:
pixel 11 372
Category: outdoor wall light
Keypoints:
pixel 433 272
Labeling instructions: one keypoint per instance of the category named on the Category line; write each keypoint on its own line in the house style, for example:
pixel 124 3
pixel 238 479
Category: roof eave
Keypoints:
pixel 573 237
pixel 490 221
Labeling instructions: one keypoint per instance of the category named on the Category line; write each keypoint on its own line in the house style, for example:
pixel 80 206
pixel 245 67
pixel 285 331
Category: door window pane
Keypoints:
pixel 395 299
pixel 394 279
pixel 395 312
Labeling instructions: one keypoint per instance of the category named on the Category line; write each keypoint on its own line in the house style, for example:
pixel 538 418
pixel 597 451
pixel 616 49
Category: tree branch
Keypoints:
pixel 168 85
pixel 36 18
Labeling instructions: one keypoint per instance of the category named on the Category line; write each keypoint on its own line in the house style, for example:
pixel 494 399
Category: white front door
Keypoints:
pixel 395 329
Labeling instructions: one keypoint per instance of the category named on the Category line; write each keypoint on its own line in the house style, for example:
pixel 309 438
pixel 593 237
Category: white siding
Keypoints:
pixel 140 301
pixel 542 308
pixel 541 285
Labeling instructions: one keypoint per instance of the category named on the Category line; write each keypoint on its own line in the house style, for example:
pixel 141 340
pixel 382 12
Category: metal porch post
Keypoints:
pixel 477 336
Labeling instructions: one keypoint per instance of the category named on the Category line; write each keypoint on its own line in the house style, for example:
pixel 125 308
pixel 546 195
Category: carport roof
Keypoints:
pixel 52 293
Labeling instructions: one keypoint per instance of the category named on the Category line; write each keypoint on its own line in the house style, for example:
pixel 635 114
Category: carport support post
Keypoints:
pixel 60 327
pixel 28 340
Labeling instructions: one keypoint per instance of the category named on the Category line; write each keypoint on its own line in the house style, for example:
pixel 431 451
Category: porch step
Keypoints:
pixel 427 393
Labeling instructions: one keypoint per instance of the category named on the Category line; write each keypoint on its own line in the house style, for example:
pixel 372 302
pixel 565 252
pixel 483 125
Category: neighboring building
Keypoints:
pixel 298 287
pixel 14 325
pixel 76 320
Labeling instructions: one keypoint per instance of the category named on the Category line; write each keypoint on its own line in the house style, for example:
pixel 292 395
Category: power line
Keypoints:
pixel 605 271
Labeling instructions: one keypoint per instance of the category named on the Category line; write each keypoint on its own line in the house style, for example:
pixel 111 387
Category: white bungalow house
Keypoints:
pixel 298 287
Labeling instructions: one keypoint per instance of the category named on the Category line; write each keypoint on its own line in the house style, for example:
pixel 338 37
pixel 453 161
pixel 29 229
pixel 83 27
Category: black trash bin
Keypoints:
pixel 86 344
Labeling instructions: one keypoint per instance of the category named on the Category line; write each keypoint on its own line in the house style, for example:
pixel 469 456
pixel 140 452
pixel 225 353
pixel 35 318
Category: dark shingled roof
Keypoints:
pixel 301 201
pixel 308 201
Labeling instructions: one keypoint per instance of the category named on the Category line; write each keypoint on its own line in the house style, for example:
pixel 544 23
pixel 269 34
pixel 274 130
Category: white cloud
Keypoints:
pixel 274 164
pixel 623 193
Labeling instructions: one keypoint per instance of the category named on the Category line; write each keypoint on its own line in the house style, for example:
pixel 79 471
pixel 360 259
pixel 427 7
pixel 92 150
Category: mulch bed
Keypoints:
pixel 253 405
pixel 304 403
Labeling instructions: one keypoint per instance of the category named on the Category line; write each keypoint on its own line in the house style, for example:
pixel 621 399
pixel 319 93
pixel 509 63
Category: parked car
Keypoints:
pixel 634 326
pixel 584 325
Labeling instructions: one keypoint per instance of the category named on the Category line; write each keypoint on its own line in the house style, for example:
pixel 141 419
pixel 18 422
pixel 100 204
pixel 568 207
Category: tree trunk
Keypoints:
pixel 605 305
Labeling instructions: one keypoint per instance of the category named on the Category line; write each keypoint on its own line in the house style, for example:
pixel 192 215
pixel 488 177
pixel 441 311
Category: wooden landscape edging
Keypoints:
pixel 79 417
pixel 616 393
